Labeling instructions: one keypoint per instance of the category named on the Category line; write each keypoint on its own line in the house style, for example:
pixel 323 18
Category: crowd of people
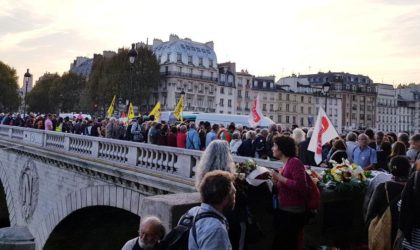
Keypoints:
pixel 236 202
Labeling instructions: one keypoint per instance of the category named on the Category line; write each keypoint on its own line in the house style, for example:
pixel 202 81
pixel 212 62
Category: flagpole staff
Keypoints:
pixel 132 55
pixel 325 89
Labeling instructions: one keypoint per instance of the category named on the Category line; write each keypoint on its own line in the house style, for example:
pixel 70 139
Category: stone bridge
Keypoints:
pixel 48 176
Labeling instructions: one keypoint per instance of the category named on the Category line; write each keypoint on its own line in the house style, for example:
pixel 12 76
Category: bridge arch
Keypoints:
pixel 103 195
pixel 9 198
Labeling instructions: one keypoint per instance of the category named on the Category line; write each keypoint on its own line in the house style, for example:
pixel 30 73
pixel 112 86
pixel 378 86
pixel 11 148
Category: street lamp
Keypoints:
pixel 325 89
pixel 132 55
pixel 26 77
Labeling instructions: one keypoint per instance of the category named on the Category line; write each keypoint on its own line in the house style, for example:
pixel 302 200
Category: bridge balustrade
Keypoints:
pixel 167 160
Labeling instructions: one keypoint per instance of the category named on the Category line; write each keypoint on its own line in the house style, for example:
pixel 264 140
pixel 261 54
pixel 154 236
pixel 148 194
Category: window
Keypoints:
pixel 229 103
pixel 179 69
pixel 189 59
pixel 168 56
pixel 191 72
pixel 301 121
pixel 287 97
pixel 222 90
pixel 301 110
pixel 264 107
pixel 302 99
pixel 279 118
pixel 287 119
pixel 200 61
pixel 201 73
pixel 222 77
pixel 239 93
pixel 294 119
pixel 271 107
pixel 246 94
pixel 178 57
pixel 310 110
pixel 210 63
pixel 221 102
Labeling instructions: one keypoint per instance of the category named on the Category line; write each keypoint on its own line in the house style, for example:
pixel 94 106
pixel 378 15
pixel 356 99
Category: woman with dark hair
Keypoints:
pixel 338 152
pixel 409 222
pixel 383 156
pixel 390 191
pixel 398 149
pixel 393 136
pixel 290 182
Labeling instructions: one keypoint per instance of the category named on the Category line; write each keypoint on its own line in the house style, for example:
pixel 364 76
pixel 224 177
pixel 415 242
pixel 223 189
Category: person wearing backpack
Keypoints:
pixel 292 188
pixel 218 196
pixel 386 195
pixel 151 232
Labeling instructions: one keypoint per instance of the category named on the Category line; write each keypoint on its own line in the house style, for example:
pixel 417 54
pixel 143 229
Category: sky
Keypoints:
pixel 378 38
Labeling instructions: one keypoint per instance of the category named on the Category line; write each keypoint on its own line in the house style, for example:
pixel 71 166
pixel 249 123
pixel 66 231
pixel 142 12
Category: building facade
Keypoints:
pixel 187 67
pixel 387 119
pixel 226 89
pixel 357 94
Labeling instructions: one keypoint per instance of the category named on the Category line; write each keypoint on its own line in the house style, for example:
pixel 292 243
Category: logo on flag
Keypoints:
pixel 255 116
pixel 324 132
pixel 179 108
pixel 130 112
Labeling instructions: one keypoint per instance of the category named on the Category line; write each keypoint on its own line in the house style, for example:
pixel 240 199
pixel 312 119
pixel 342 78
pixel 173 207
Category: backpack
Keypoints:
pixel 177 238
pixel 379 233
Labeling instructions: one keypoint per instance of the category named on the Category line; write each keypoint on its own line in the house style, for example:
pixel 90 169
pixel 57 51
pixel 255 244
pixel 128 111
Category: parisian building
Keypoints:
pixel 226 90
pixel 357 94
pixel 187 67
pixel 408 113
pixel 387 111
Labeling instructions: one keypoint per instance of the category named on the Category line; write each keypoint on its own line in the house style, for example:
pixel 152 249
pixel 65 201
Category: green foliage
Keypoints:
pixel 9 97
pixel 116 76
pixel 53 94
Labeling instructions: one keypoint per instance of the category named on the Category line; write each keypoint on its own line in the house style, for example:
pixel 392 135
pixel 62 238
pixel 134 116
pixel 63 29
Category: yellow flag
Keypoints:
pixel 110 111
pixel 130 112
pixel 179 108
pixel 156 112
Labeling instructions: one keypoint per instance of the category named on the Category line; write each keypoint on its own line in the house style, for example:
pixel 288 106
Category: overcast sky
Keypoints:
pixel 378 38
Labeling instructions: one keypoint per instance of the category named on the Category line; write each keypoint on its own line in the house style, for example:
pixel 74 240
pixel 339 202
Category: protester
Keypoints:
pixel 338 152
pixel 235 143
pixel 212 135
pixel 247 147
pixel 150 233
pixel 193 140
pixel 217 195
pixel 290 182
pixel 351 144
pixel 172 136
pixel 409 222
pixel 181 137
pixel 307 157
pixel 383 156
pixel 390 191
pixel 414 152
pixel 363 155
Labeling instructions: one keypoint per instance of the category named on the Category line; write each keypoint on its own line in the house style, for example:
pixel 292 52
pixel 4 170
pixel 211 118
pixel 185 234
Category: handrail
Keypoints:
pixel 163 159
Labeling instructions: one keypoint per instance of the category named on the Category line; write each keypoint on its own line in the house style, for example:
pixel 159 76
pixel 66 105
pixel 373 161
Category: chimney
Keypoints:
pixel 173 37
pixel 210 44
pixel 156 42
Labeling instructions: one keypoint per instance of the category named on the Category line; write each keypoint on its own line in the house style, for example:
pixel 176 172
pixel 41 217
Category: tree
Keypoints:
pixel 66 93
pixel 39 99
pixel 9 97
pixel 113 76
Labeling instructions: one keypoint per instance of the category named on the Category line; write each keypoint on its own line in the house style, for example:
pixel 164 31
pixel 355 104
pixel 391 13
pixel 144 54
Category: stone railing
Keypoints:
pixel 168 160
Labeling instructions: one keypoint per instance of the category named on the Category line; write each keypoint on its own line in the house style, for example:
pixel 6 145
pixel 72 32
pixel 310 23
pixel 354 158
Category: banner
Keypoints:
pixel 110 111
pixel 179 108
pixel 324 132
pixel 255 116
pixel 156 112
pixel 130 112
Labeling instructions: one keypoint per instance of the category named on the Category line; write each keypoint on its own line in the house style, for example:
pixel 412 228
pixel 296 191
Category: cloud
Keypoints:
pixel 20 20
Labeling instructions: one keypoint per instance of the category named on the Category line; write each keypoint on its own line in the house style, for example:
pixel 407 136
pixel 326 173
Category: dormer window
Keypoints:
pixel 168 56
pixel 200 61
pixel 178 57
pixel 189 59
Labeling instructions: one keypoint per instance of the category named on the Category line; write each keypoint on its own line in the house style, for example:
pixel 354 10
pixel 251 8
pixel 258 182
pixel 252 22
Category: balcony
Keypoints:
pixel 188 75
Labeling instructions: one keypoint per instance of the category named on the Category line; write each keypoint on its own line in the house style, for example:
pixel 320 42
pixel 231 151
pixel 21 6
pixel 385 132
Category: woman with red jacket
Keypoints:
pixel 290 182
pixel 181 137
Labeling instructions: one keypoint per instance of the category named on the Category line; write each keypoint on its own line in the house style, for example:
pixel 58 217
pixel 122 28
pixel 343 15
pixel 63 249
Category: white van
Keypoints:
pixel 226 119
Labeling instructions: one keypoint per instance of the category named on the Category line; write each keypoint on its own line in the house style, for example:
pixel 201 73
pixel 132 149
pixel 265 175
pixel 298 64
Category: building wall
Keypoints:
pixel 386 108
pixel 190 67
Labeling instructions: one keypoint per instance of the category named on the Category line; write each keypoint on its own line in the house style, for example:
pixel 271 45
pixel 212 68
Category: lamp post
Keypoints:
pixel 325 89
pixel 132 55
pixel 26 78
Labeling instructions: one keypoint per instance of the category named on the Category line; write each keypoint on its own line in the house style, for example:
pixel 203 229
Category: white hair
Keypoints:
pixel 217 156
pixel 298 135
